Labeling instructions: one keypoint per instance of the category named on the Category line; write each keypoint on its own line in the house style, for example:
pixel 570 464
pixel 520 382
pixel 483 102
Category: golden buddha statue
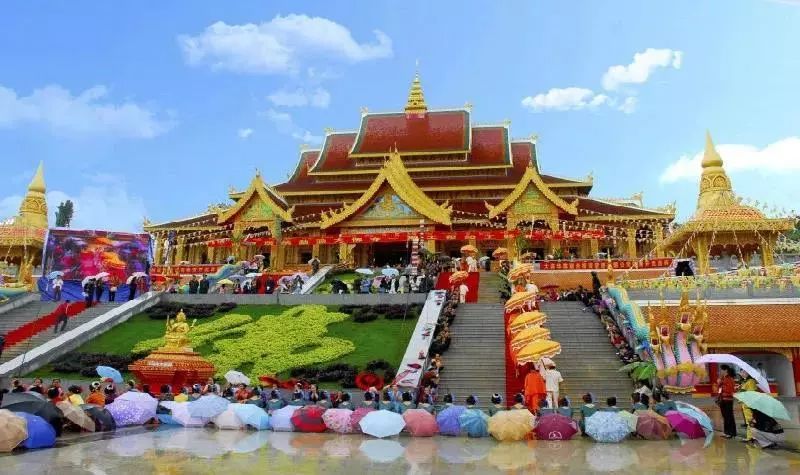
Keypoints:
pixel 177 334
pixel 25 276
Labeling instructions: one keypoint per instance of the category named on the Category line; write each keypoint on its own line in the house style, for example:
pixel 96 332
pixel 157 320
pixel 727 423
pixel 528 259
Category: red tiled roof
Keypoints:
pixel 335 153
pixel 438 131
pixel 489 146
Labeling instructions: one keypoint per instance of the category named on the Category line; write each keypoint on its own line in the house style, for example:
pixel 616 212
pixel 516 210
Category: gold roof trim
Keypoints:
pixel 416 99
pixel 395 174
pixel 531 176
pixel 258 188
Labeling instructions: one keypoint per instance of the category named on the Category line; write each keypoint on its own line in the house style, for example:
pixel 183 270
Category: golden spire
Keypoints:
pixel 416 100
pixel 33 210
pixel 715 186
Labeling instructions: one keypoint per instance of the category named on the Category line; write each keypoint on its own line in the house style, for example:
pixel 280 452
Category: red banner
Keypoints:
pixel 187 269
pixel 602 265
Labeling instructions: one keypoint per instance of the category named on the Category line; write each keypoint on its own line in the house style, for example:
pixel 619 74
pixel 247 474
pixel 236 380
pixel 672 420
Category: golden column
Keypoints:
pixel 180 249
pixel 767 248
pixel 700 246
pixel 594 248
pixel 315 250
pixel 658 234
pixel 430 245
pixel 159 250
pixel 631 241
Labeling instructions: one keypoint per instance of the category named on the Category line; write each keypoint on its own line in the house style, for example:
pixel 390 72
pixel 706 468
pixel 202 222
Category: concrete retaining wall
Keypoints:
pixel 20 301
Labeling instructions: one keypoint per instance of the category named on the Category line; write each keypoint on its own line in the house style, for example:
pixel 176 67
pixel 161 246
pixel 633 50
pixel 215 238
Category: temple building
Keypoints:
pixel 722 224
pixel 417 173
pixel 22 236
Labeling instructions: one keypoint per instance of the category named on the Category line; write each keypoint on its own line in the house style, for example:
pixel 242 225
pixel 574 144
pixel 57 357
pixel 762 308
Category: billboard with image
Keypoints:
pixel 83 253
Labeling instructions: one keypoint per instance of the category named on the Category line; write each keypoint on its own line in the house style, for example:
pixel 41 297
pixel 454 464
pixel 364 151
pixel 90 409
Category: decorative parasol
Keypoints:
pixel 500 253
pixel 533 352
pixel 521 301
pixel 526 320
pixel 225 282
pixel 13 430
pixel 529 335
pixel 469 249
pixel 458 277
pixel 521 270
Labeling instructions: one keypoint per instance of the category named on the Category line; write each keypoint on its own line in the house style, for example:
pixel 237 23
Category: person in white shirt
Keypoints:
pixel 531 287
pixel 58 283
pixel 462 293
pixel 552 380
pixel 472 264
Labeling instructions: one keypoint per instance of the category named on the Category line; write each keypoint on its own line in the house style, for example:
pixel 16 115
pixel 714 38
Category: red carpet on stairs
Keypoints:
pixel 42 323
pixel 443 283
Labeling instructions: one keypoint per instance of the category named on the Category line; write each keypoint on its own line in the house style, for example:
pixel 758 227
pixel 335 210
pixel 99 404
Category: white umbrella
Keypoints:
pixel 730 359
pixel 129 280
pixel 86 280
pixel 253 274
pixel 236 377
pixel 180 412
pixel 102 275
pixel 139 274
pixel 236 277
pixel 364 271
pixel 228 420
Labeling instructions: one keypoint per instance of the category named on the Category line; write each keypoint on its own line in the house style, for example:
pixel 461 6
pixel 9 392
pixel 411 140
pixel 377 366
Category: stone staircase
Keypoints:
pixel 489 287
pixel 475 361
pixel 17 317
pixel 588 362
pixel 39 310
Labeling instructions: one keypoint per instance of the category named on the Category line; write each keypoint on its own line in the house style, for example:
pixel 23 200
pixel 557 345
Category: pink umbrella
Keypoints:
pixel 555 427
pixel 652 426
pixel 358 414
pixel 420 423
pixel 338 420
pixel 685 425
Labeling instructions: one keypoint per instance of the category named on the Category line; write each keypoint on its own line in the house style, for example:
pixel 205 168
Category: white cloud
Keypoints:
pixel 245 133
pixel 285 124
pixel 280 45
pixel 628 105
pixel 318 97
pixel 643 65
pixel 776 158
pixel 87 114
pixel 562 99
pixel 103 204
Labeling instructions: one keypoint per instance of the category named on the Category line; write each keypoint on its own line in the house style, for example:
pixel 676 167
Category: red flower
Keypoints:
pixel 366 380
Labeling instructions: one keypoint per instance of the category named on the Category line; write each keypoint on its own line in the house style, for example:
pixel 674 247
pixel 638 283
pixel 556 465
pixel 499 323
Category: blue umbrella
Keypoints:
pixel 208 406
pixel 54 274
pixel 448 420
pixel 696 413
pixel 474 422
pixel 382 423
pixel 252 415
pixel 389 271
pixel 605 426
pixel 167 419
pixel 109 372
pixel 40 433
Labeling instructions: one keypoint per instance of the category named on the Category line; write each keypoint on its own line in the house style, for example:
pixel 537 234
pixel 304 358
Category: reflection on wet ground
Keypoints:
pixel 178 451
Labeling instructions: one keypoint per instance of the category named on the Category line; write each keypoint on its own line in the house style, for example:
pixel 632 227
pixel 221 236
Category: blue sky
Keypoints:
pixel 157 111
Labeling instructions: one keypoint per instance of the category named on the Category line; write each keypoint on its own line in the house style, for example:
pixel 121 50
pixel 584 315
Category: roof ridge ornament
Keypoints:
pixel 415 105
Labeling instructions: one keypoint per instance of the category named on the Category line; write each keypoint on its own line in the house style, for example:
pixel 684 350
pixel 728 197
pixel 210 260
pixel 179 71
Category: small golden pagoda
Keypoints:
pixel 22 237
pixel 722 222
pixel 174 363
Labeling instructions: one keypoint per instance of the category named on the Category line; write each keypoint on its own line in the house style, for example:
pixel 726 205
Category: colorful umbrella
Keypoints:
pixel 144 399
pixel 500 252
pixel 764 403
pixel 381 451
pixel 521 301
pixel 180 412
pixel 103 420
pixel 282 419
pixel 389 271
pixel 33 403
pixel 225 282
pixel 448 420
pixel 685 425
pixel 604 426
pixel 129 413
pixel 109 372
pixel 76 415
pixel 457 277
pixel 359 414
pixel 521 270
pixel 208 406
pixel 338 420
pixel 236 377
pixel 228 418
pixel 420 423
pixel 529 335
pixel 474 422
pixel 382 424
pixel 730 359
pixel 364 271
pixel 309 419
pixel 13 430
pixel 525 320
pixel 696 413
pixel 511 425
pixel 54 274
pixel 555 427
pixel 536 351
pixel 652 426
pixel 469 249
pixel 630 418
pixel 251 415
pixel 40 434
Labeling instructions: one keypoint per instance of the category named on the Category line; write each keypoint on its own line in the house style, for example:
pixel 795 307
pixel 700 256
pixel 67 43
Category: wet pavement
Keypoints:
pixel 176 451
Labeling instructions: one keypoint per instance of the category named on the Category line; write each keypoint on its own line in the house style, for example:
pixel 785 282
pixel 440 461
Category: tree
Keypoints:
pixel 64 214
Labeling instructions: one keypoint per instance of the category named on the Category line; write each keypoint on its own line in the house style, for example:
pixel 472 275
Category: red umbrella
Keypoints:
pixel 269 381
pixel 652 426
pixel 420 423
pixel 359 414
pixel 555 427
pixel 685 425
pixel 309 419
pixel 366 380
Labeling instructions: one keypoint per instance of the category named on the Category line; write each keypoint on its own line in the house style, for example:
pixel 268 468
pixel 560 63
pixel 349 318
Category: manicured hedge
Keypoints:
pixel 87 363
pixel 368 313
pixel 192 310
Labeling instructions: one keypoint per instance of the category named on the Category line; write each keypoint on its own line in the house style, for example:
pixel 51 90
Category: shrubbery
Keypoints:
pixel 368 313
pixel 192 310
pixel 87 363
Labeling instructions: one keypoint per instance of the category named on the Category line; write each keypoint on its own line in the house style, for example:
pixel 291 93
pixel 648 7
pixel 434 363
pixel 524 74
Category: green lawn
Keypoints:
pixel 379 339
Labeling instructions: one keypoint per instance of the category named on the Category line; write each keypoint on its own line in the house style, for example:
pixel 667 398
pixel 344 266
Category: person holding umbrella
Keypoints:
pixel 88 291
pixel 727 386
pixel 748 384
pixel 98 289
pixel 132 288
pixel 766 432
pixel 58 283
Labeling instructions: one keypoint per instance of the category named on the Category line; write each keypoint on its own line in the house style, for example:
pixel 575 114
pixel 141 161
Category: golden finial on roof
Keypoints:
pixel 715 186
pixel 37 183
pixel 711 157
pixel 416 100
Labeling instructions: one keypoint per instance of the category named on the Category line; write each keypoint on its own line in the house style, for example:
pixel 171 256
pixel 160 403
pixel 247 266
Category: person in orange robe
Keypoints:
pixel 534 388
